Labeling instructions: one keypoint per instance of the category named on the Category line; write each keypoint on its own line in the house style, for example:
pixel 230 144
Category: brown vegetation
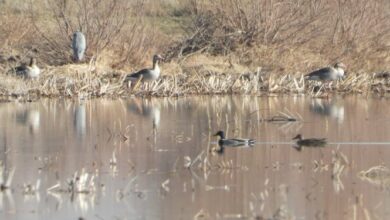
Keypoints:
pixel 300 31
pixel 210 45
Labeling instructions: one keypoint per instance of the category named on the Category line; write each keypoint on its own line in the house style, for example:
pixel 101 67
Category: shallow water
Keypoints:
pixel 137 152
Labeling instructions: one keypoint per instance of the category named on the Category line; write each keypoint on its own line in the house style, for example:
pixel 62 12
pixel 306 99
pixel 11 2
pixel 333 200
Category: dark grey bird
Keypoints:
pixel 29 71
pixel 223 141
pixel 328 73
pixel 78 45
pixel 311 142
pixel 147 75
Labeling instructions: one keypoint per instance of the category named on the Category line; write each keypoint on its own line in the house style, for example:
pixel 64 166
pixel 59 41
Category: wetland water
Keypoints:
pixel 133 156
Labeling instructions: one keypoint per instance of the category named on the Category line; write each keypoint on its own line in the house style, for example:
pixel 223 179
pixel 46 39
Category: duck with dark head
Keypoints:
pixel 233 141
pixel 310 142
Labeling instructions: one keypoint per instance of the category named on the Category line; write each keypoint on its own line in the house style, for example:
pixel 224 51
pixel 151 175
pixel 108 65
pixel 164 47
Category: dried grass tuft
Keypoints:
pixel 89 81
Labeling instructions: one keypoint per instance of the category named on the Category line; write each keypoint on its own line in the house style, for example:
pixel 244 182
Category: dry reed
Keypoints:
pixel 89 82
pixel 280 39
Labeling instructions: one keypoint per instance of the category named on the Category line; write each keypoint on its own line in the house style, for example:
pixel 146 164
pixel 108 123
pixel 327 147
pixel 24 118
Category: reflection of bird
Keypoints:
pixel 31 118
pixel 311 142
pixel 146 109
pixel 234 141
pixel 29 71
pixel 80 119
pixel 147 74
pixel 332 109
pixel 78 45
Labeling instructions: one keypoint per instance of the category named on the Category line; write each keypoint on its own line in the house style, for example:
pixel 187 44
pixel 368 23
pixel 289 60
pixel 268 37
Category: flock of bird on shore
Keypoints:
pixel 79 45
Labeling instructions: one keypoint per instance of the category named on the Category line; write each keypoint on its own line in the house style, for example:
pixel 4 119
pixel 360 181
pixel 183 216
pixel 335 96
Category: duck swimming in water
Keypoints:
pixel 311 142
pixel 234 142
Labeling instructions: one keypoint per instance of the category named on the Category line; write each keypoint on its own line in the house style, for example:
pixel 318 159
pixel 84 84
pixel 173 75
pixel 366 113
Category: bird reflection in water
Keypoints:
pixel 29 117
pixel 330 108
pixel 79 119
pixel 147 109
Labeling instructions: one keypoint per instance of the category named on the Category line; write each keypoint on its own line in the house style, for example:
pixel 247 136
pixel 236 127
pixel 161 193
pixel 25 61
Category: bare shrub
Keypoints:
pixel 13 29
pixel 359 21
pixel 106 25
pixel 227 24
pixel 336 28
pixel 14 33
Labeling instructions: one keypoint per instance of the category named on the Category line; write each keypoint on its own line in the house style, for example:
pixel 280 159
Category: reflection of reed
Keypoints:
pixel 5 186
pixel 339 162
pixel 230 113
pixel 184 136
pixel 81 188
pixel 377 175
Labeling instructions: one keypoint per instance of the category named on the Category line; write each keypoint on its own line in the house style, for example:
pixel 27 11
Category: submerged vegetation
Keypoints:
pixel 211 47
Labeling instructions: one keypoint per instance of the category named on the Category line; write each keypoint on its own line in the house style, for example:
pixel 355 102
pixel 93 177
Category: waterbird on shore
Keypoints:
pixel 383 74
pixel 310 142
pixel 78 45
pixel 223 141
pixel 147 75
pixel 29 71
pixel 328 73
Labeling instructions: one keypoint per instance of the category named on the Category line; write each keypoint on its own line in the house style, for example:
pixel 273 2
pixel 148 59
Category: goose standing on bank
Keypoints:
pixel 78 45
pixel 147 75
pixel 328 73
pixel 29 71
pixel 234 141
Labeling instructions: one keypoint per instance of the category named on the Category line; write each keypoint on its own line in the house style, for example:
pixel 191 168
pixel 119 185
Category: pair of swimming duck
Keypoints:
pixel 311 142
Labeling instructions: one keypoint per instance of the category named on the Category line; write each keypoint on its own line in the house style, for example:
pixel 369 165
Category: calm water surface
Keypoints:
pixel 130 159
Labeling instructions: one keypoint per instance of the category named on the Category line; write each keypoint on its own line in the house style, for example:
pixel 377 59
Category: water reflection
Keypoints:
pixel 333 108
pixel 80 121
pixel 142 157
pixel 29 116
pixel 377 176
pixel 145 108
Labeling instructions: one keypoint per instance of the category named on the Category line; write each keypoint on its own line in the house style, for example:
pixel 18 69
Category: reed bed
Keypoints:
pixel 286 39
pixel 87 81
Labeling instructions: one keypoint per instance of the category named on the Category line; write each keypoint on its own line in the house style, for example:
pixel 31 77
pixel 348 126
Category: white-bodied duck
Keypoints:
pixel 223 141
pixel 147 75
pixel 29 71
